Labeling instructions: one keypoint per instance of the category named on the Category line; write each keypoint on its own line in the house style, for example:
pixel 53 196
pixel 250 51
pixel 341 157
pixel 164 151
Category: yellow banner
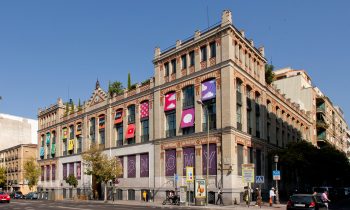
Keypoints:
pixel 189 174
pixel 71 144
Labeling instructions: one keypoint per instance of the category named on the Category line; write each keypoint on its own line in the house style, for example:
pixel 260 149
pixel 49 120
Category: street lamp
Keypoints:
pixel 277 195
pixel 207 177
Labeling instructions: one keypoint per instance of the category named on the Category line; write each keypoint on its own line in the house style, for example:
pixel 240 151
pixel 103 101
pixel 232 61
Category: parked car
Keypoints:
pixel 16 195
pixel 31 196
pixel 4 197
pixel 305 201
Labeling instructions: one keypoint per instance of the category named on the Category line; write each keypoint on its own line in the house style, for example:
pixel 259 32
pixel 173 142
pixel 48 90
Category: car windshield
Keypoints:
pixel 1 193
pixel 301 198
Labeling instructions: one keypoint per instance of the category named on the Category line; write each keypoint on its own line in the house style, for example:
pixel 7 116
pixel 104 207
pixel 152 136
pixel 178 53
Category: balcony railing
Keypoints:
pixel 170 133
pixel 322 124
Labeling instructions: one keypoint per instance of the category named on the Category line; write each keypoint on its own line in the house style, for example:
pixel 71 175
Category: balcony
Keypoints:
pixel 170 133
pixel 322 137
pixel 321 109
pixel 322 124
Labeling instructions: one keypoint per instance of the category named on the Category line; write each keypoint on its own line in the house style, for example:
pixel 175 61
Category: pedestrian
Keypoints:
pixel 219 197
pixel 144 195
pixel 259 198
pixel 272 195
pixel 246 196
pixel 325 199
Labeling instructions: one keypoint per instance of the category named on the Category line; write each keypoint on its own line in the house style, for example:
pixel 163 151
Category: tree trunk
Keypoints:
pixel 105 193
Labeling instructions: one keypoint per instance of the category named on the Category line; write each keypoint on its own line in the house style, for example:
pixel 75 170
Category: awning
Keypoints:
pixel 170 101
pixel 118 118
pixel 144 109
pixel 130 133
pixel 187 119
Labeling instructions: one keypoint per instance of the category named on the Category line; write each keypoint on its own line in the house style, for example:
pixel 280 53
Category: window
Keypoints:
pixel 144 165
pixel 250 155
pixel 119 129
pixel 239 159
pixel 131 114
pixel 183 61
pixel 65 147
pixel 188 158
pixel 191 54
pixel 53 170
pixel 131 166
pixel 42 173
pixel 212 49
pixel 258 162
pixel 173 66
pixel 170 124
pixel 102 136
pixel 203 53
pixel 212 159
pixel 71 168
pixel 92 129
pixel 268 132
pixel 64 170
pixel 188 130
pixel 79 144
pixel 78 170
pixel 166 67
pixel 188 97
pixel 48 173
pixel 144 130
pixel 71 132
pixel 239 116
pixel 211 106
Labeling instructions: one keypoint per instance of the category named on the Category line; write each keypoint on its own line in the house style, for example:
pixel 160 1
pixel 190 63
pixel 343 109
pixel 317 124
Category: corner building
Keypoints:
pixel 158 128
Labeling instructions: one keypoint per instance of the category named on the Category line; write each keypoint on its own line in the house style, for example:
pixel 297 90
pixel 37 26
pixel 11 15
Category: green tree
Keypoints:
pixel 71 107
pixel 72 181
pixel 31 172
pixel 129 81
pixel 269 75
pixel 79 106
pixel 67 109
pixel 116 87
pixel 102 167
pixel 2 176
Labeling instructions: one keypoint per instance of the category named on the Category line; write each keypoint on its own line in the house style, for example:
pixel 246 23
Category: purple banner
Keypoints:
pixel 121 159
pixel 48 172
pixel 65 171
pixel 53 168
pixel 170 162
pixel 187 118
pixel 71 168
pixel 144 165
pixel 78 170
pixel 208 90
pixel 189 159
pixel 212 159
pixel 131 166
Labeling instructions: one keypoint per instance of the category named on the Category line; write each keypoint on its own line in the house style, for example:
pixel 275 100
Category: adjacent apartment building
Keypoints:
pixel 13 159
pixel 329 124
pixel 214 80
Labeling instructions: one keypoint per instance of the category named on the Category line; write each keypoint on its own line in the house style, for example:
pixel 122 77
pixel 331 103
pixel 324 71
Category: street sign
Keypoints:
pixel 189 174
pixel 276 175
pixel 248 173
pixel 259 179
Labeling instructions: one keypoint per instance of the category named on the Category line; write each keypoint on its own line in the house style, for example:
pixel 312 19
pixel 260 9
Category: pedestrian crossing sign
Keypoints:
pixel 259 179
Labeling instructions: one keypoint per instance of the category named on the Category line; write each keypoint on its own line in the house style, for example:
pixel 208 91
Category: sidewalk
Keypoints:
pixel 265 206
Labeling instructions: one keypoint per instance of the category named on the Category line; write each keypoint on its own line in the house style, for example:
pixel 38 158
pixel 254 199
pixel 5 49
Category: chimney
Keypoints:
pixel 226 17
pixel 242 33
pixel 156 52
pixel 262 50
pixel 197 34
pixel 178 44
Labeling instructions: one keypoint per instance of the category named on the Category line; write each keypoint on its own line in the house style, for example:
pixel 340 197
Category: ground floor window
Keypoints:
pixel 131 194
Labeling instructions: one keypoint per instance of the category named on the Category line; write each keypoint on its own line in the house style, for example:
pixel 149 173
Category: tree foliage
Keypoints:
pixel 71 107
pixel 79 106
pixel 303 166
pixel 67 109
pixel 2 176
pixel 72 180
pixel 129 81
pixel 115 88
pixel 31 172
pixel 102 167
pixel 269 75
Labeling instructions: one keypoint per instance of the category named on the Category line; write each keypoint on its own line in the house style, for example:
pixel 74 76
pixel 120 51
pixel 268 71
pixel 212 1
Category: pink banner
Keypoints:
pixel 170 101
pixel 144 109
pixel 187 119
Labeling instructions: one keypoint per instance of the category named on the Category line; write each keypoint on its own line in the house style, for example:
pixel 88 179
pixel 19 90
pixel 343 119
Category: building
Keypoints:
pixel 17 130
pixel 13 159
pixel 214 80
pixel 329 124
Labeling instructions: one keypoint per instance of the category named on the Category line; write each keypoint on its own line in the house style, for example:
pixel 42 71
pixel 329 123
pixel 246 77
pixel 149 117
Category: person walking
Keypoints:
pixel 272 195
pixel 219 197
pixel 325 199
pixel 246 196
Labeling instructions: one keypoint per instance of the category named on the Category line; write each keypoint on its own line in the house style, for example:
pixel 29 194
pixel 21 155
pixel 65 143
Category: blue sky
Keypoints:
pixel 51 49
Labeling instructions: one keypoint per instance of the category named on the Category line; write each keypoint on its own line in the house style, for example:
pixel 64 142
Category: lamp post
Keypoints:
pixel 277 195
pixel 207 176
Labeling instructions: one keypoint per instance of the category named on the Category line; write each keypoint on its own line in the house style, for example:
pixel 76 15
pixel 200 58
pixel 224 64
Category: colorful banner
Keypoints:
pixel 144 165
pixel 121 160
pixel 188 158
pixel 118 118
pixel 42 152
pixel 144 109
pixel 130 133
pixel 65 133
pixel 170 101
pixel 208 90
pixel 53 149
pixel 200 188
pixel 187 119
pixel 70 144
pixel 131 166
pixel 170 162
pixel 78 168
pixel 189 174
pixel 71 168
pixel 212 159
pixel 48 137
